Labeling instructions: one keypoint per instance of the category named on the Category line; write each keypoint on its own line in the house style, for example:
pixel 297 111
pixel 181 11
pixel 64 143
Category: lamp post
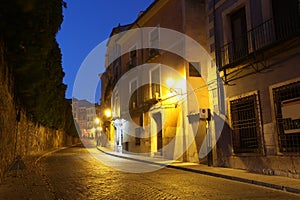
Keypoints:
pixel 97 121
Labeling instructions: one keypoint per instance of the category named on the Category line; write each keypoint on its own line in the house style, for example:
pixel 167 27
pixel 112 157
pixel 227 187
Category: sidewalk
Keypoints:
pixel 270 181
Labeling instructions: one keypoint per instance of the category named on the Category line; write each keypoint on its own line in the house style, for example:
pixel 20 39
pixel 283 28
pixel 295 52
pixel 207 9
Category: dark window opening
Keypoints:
pixel 132 58
pixel 239 34
pixel 286 17
pixel 194 69
pixel 245 124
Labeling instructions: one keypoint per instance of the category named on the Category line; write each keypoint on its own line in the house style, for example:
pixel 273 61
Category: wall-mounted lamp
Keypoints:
pixel 97 120
pixel 170 82
pixel 107 112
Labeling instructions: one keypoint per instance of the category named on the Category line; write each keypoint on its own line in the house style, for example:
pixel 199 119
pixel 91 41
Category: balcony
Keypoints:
pixel 259 38
pixel 144 98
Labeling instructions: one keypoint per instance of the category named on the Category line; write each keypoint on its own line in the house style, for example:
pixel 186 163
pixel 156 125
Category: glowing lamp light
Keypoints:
pixel 107 113
pixel 97 120
pixel 170 82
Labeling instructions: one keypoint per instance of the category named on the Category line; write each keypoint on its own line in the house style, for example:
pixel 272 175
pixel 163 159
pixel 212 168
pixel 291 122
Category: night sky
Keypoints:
pixel 88 23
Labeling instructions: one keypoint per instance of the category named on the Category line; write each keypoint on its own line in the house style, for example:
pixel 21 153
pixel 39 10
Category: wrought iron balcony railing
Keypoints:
pixel 261 36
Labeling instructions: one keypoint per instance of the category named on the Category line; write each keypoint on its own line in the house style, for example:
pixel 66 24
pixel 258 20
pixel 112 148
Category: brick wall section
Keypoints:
pixel 21 136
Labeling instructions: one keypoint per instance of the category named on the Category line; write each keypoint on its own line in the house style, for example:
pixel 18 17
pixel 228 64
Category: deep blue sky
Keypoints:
pixel 88 23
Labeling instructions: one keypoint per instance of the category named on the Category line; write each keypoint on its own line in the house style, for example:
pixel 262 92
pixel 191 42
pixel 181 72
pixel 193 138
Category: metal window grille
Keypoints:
pixel 245 123
pixel 287 104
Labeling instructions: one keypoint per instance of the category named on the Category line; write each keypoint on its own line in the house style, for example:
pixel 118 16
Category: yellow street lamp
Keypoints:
pixel 97 120
pixel 170 82
pixel 107 113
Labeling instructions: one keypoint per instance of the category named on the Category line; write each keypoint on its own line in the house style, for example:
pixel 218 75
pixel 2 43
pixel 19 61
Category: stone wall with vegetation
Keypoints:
pixel 34 114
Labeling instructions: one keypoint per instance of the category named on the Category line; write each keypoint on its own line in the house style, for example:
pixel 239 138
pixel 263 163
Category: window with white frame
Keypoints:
pixel 245 124
pixel 155 83
pixel 116 104
pixel 154 42
pixel 114 53
pixel 132 57
pixel 134 94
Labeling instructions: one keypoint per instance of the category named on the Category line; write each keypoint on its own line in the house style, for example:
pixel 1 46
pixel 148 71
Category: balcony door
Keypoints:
pixel 158 120
pixel 239 34
pixel 155 82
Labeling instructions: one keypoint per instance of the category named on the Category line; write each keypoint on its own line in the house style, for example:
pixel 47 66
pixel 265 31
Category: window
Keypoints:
pixel 287 112
pixel 194 69
pixel 132 58
pixel 154 42
pixel 239 46
pixel 155 83
pixel 116 104
pixel 245 124
pixel 286 17
pixel 134 94
pixel 114 54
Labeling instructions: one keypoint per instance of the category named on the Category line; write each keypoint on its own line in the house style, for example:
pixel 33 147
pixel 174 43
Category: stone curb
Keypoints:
pixel 233 178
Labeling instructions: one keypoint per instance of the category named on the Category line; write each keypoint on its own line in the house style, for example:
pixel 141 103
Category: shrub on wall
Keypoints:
pixel 28 29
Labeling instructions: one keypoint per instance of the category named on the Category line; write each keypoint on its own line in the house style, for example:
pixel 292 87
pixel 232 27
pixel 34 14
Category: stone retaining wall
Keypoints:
pixel 18 134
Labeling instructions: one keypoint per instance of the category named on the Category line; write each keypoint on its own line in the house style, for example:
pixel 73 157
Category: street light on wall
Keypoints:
pixel 170 82
pixel 106 128
pixel 107 113
pixel 175 87
pixel 96 130
pixel 97 121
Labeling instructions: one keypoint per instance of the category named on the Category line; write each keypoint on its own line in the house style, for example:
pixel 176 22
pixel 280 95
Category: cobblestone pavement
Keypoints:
pixel 75 174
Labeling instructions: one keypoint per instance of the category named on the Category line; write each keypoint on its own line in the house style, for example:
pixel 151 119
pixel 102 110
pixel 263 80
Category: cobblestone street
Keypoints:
pixel 75 174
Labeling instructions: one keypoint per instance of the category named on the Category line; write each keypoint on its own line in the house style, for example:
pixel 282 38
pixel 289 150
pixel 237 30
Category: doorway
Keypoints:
pixel 158 120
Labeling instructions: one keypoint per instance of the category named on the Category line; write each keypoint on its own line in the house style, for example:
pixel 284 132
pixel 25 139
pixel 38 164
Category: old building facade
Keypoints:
pixel 257 53
pixel 164 85
pixel 252 92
